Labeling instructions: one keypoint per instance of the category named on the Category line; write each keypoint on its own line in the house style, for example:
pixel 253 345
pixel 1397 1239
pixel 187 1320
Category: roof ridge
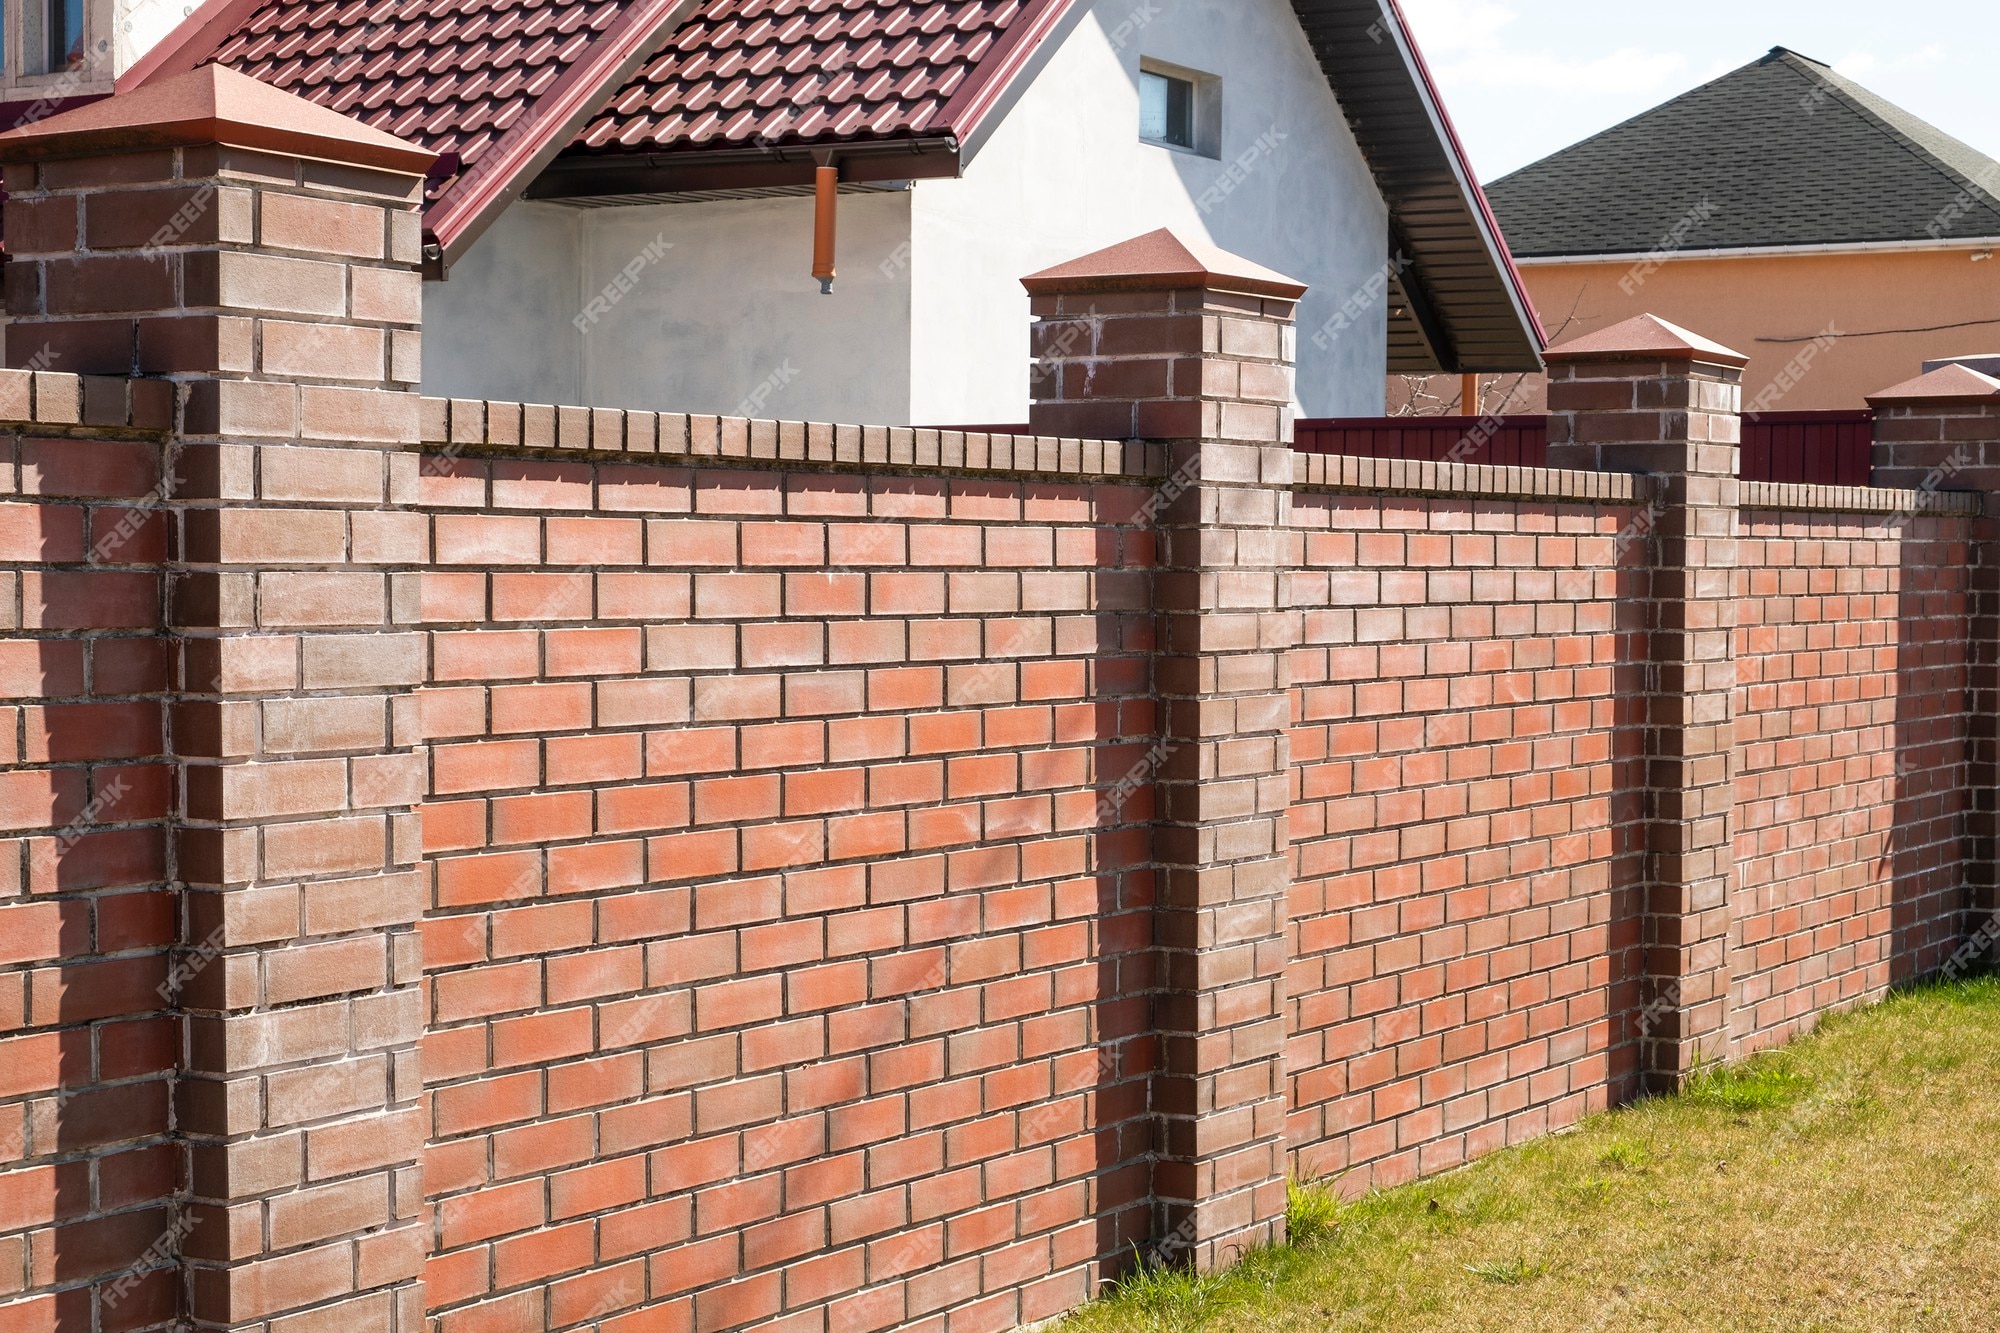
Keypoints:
pixel 1778 53
pixel 1857 98
pixel 1838 82
pixel 1755 142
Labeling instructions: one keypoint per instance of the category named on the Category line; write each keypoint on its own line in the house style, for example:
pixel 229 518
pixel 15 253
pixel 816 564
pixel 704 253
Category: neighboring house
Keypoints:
pixel 624 214
pixel 1836 240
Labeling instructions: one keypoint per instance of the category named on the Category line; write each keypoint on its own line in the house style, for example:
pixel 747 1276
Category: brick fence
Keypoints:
pixel 483 867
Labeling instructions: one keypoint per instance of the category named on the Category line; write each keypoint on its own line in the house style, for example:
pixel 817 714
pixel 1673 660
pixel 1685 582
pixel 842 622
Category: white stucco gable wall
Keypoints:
pixel 1066 173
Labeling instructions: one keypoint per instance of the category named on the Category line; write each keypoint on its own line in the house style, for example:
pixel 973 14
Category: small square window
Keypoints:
pixel 1166 110
pixel 54 37
pixel 1180 108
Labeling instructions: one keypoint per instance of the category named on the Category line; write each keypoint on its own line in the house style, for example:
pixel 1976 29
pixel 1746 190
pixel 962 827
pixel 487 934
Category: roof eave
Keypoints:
pixel 475 200
pixel 963 125
pixel 1399 122
pixel 575 175
pixel 1829 249
pixel 1489 226
pixel 978 108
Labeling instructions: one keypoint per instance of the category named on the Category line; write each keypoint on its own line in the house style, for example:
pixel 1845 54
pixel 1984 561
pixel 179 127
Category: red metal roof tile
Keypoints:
pixel 456 75
pixel 803 73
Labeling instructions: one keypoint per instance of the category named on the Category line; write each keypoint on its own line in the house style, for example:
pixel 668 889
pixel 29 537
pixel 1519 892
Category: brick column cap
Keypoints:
pixel 1645 338
pixel 213 105
pixel 1161 261
pixel 1947 384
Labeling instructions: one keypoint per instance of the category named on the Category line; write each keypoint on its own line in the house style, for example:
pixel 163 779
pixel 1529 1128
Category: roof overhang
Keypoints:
pixel 977 109
pixel 1830 249
pixel 478 198
pixel 1464 306
pixel 607 175
pixel 962 128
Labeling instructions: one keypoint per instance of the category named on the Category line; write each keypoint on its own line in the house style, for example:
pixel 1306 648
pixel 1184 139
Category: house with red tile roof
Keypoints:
pixel 822 209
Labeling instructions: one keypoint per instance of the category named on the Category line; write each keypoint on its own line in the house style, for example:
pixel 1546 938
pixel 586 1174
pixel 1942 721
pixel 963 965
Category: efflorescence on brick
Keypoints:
pixel 472 865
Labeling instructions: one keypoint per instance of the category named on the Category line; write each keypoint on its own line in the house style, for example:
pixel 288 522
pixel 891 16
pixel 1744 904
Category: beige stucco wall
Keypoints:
pixel 1749 304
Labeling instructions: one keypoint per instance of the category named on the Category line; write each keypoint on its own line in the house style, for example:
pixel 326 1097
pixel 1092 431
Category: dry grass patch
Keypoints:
pixel 1849 1182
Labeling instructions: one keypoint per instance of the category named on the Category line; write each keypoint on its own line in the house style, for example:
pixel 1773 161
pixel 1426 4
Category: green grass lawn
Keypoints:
pixel 1849 1182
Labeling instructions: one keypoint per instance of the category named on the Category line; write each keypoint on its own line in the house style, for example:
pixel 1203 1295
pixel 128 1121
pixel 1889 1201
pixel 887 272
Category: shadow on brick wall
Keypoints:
pixel 1634 678
pixel 88 914
pixel 1927 865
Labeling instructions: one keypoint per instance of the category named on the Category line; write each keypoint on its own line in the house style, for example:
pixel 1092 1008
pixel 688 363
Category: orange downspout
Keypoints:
pixel 826 210
pixel 1469 397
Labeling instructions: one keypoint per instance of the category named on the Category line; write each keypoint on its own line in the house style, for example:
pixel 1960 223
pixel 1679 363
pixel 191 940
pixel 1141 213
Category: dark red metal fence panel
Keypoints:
pixel 1824 448
pixel 1502 441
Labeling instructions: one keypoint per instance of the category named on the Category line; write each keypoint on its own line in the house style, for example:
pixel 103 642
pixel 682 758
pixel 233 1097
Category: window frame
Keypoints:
pixel 22 37
pixel 1205 113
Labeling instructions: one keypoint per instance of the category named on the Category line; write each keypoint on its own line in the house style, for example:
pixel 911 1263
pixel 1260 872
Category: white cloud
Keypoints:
pixel 1863 64
pixel 1621 73
pixel 1447 29
pixel 1467 42
pixel 1524 78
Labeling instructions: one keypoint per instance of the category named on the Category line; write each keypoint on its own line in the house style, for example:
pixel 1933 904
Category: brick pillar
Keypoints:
pixel 1647 397
pixel 262 253
pixel 1941 432
pixel 1151 339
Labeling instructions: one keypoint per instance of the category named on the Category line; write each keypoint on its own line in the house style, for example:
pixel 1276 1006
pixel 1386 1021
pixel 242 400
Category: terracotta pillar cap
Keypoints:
pixel 1161 261
pixel 212 105
pixel 1946 384
pixel 1645 338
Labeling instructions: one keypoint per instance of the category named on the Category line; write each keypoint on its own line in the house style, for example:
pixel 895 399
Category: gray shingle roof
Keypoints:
pixel 1783 152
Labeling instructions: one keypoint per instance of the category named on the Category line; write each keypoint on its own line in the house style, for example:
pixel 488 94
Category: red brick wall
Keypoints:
pixel 792 951
pixel 1462 910
pixel 86 917
pixel 1852 781
pixel 786 955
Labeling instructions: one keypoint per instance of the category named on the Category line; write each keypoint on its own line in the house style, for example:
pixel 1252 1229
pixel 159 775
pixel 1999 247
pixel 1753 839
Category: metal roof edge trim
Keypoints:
pixel 194 39
pixel 462 213
pixel 999 81
pixel 1468 183
pixel 1765 252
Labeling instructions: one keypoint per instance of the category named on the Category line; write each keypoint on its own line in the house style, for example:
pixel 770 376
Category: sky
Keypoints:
pixel 1524 78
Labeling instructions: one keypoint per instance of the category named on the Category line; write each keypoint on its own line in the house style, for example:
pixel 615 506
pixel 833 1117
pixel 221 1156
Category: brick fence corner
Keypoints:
pixel 1150 339
pixel 1941 432
pixel 262 254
